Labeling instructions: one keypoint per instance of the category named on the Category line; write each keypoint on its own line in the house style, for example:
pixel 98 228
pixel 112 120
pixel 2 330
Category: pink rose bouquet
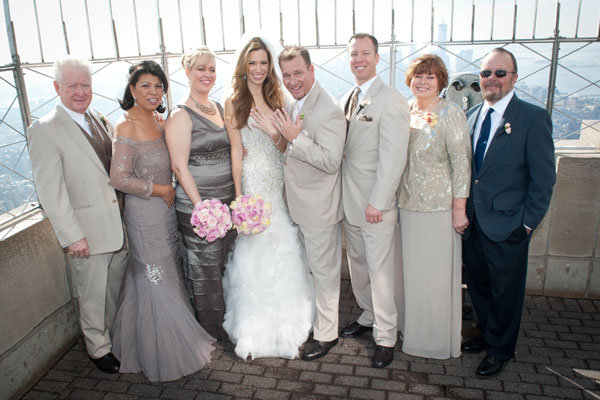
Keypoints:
pixel 250 214
pixel 211 219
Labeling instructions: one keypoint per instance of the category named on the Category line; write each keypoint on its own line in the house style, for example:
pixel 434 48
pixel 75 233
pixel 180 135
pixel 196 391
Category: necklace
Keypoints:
pixel 211 110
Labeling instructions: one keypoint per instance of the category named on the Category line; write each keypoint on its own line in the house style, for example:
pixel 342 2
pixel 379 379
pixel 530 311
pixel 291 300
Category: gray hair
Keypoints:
pixel 70 62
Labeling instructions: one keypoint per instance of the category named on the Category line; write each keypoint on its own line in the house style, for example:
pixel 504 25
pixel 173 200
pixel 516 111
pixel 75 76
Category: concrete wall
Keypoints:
pixel 37 314
pixel 564 257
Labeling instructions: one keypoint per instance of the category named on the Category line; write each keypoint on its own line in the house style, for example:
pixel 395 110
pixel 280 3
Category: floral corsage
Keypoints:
pixel 250 214
pixel 430 118
pixel 507 128
pixel 211 219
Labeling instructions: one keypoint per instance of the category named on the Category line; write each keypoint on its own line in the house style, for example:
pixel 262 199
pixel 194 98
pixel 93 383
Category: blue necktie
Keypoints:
pixel 484 135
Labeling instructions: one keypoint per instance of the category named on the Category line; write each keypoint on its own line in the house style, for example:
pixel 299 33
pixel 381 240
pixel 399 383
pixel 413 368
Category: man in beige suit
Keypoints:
pixel 374 157
pixel 315 129
pixel 70 150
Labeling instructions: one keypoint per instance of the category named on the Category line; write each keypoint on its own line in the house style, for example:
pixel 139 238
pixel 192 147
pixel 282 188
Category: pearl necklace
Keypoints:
pixel 211 110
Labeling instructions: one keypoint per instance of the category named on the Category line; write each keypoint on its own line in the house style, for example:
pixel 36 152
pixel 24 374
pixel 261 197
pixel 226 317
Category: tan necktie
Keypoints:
pixel 295 111
pixel 352 104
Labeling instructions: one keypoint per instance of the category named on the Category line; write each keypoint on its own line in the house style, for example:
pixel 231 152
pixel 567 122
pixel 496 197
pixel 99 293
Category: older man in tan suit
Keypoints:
pixel 70 151
pixel 374 158
pixel 315 129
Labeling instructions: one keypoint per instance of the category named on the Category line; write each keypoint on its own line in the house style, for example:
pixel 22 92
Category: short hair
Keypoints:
pixel 367 36
pixel 292 51
pixel 70 62
pixel 198 54
pixel 504 51
pixel 137 70
pixel 428 64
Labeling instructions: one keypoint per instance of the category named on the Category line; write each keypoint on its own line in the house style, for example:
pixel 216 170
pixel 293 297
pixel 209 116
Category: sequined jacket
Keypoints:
pixel 438 167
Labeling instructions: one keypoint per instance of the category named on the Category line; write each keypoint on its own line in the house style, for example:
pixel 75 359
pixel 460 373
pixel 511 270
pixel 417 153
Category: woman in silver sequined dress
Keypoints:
pixel 432 199
pixel 154 330
pixel 200 157
pixel 268 293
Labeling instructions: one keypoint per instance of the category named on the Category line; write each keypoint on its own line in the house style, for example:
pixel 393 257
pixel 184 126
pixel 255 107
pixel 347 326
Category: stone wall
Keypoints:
pixel 37 314
pixel 564 257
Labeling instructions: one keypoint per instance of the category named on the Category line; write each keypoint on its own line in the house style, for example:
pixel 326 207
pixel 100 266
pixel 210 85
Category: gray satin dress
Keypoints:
pixel 154 330
pixel 204 262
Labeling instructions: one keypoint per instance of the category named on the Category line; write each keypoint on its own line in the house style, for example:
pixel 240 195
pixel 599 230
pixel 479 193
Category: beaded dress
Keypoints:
pixel 154 330
pixel 269 298
pixel 438 169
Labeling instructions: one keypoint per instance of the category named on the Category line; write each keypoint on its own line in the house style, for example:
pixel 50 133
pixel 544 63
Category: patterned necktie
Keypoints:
pixel 352 104
pixel 484 135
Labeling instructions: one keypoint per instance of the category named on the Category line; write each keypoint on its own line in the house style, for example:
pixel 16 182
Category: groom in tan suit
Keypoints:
pixel 374 158
pixel 315 129
pixel 70 151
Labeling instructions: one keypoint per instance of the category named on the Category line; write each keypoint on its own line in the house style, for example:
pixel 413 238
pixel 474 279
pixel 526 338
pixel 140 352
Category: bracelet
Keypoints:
pixel 279 141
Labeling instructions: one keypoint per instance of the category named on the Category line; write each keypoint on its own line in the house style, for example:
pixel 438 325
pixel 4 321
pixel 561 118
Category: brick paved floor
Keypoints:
pixel 558 337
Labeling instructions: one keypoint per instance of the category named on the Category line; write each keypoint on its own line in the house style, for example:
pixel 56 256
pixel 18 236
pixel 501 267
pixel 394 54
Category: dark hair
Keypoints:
pixel 428 64
pixel 504 51
pixel 242 98
pixel 292 51
pixel 137 70
pixel 368 36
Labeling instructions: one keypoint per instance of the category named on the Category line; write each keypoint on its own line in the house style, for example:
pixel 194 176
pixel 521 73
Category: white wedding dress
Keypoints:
pixel 269 296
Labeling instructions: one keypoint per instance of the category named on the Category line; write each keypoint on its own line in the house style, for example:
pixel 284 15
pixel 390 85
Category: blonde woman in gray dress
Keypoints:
pixel 432 199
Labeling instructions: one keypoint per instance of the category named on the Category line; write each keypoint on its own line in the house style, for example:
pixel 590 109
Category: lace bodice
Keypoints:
pixel 262 169
pixel 137 165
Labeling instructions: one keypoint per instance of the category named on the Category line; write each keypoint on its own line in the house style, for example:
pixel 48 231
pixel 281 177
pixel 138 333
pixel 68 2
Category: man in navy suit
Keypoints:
pixel 513 173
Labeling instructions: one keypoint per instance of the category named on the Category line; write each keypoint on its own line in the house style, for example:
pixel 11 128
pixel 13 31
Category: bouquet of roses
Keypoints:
pixel 250 214
pixel 211 219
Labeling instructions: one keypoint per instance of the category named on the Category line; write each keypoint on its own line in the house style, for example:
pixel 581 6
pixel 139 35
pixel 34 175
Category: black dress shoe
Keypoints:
pixel 355 330
pixel 107 363
pixel 490 367
pixel 382 357
pixel 317 349
pixel 473 345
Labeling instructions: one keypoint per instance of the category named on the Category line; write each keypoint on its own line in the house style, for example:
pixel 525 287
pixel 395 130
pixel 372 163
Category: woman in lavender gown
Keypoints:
pixel 155 330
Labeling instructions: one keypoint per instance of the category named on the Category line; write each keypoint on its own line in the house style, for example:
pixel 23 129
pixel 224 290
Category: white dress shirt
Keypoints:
pixel 75 116
pixel 496 116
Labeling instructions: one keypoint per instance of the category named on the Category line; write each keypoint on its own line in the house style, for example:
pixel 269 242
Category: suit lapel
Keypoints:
pixel 501 138
pixel 73 132
pixel 370 95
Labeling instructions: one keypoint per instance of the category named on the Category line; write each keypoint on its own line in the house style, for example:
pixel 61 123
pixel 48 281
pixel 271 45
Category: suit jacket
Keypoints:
pixel 514 184
pixel 72 184
pixel 312 169
pixel 375 154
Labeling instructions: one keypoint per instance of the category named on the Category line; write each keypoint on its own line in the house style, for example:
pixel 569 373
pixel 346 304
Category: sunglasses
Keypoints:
pixel 500 73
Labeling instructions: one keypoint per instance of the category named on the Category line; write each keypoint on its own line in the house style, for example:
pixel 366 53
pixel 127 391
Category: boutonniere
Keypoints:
pixel 430 118
pixel 103 119
pixel 365 102
pixel 301 117
pixel 507 128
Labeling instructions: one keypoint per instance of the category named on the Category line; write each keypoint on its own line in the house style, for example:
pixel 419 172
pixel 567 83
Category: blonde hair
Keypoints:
pixel 200 54
pixel 242 98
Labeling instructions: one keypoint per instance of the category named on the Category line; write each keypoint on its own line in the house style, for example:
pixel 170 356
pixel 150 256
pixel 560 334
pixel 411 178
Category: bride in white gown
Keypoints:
pixel 269 299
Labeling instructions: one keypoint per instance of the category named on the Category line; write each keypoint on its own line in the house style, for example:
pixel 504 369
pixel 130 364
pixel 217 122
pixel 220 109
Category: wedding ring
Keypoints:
pixel 280 123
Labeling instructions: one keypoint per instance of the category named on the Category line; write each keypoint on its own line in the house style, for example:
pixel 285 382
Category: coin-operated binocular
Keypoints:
pixel 463 90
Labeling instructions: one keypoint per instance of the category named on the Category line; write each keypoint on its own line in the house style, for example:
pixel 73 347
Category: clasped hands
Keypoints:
pixel 280 124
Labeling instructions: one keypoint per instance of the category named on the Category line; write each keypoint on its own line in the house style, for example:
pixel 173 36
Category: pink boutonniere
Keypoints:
pixel 507 128
pixel 430 118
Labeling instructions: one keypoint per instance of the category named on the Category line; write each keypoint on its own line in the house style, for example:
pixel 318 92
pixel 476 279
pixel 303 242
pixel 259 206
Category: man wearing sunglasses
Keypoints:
pixel 513 173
